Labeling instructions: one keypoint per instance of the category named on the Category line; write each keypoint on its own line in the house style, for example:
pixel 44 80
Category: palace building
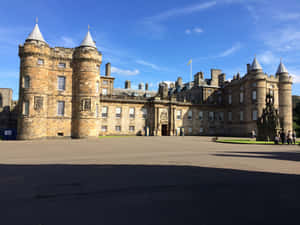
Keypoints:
pixel 63 94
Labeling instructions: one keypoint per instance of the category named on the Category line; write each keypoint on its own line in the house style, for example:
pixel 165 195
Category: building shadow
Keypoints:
pixel 289 156
pixel 142 194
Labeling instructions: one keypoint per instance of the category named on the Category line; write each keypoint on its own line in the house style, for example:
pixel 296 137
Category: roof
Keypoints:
pixel 281 68
pixel 255 65
pixel 88 41
pixel 36 34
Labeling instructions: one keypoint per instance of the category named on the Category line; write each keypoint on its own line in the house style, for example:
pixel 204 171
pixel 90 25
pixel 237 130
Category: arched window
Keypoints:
pixel 1 101
pixel 27 82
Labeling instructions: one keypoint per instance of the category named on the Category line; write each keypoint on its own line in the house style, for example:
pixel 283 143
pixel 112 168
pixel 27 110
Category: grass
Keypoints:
pixel 245 141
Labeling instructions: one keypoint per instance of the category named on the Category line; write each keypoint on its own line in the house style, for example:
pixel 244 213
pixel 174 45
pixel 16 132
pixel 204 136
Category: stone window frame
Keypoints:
pixel 229 116
pixel 118 114
pixel 104 114
pixel 26 108
pixel 254 95
pixel 104 91
pixel 131 115
pixel 190 114
pixel 230 99
pixel 59 80
pixel 62 65
pixel 201 130
pixel 144 112
pixel 40 61
pixel 241 115
pixel 211 116
pixel 26 81
pixel 86 105
pixel 242 97
pixel 178 117
pixel 61 111
pixel 104 128
pixel 254 115
pixel 105 82
pixel 130 129
pixel 201 115
pixel 221 116
pixel 118 128
pixel 190 130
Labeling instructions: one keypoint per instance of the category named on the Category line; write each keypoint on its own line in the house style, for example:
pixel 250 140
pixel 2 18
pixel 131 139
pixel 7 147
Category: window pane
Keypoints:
pixel 61 83
pixel 241 115
pixel 26 82
pixel 104 91
pixel 26 108
pixel 254 115
pixel 230 99
pixel 253 95
pixel 60 108
pixel 229 116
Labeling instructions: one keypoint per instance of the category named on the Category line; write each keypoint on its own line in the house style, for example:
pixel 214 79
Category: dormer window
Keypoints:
pixel 61 65
pixel 40 62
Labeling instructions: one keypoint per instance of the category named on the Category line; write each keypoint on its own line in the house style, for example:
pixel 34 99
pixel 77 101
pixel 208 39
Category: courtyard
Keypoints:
pixel 148 180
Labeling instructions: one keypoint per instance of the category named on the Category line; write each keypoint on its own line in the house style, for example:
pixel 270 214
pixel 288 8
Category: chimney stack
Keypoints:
pixel 127 84
pixel 248 68
pixel 141 86
pixel 107 69
pixel 147 87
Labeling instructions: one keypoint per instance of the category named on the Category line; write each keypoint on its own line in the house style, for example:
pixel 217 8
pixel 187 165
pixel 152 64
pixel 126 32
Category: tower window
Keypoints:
pixel 254 95
pixel 61 83
pixel 97 86
pixel 60 108
pixel 40 62
pixel 241 97
pixel 105 82
pixel 27 82
pixel 26 108
pixel 61 65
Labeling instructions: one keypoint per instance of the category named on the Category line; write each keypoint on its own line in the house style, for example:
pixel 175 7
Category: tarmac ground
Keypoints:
pixel 148 180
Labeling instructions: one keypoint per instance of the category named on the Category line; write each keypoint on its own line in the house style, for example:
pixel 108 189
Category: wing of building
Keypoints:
pixel 62 93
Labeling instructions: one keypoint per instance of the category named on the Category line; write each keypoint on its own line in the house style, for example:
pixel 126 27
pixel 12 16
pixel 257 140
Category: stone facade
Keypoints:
pixel 63 94
pixel 8 112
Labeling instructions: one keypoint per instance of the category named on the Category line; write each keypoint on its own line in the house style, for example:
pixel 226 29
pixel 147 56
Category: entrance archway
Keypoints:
pixel 164 130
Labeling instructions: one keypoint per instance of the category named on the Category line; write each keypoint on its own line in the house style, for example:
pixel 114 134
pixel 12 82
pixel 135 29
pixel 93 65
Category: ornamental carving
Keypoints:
pixel 38 103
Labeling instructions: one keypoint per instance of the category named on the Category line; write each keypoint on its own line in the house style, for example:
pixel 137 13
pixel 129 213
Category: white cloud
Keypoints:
pixel 118 71
pixel 144 63
pixel 268 57
pixel 188 31
pixel 198 30
pixel 181 11
pixel 296 76
pixel 288 16
pixel 232 50
pixel 194 30
pixel 156 29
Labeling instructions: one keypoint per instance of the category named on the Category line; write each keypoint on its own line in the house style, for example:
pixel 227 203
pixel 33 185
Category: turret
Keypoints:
pixel 33 86
pixel 285 98
pixel 259 78
pixel 86 61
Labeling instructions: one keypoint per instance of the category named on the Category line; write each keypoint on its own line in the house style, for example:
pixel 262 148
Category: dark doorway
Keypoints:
pixel 164 130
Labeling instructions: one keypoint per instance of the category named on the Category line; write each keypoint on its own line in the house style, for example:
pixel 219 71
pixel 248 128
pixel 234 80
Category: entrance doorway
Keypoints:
pixel 164 130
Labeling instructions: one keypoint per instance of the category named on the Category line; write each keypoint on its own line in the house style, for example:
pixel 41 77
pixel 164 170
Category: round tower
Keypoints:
pixel 86 99
pixel 285 98
pixel 260 85
pixel 33 86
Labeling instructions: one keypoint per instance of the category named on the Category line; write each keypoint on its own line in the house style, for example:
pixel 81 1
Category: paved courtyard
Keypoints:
pixel 148 180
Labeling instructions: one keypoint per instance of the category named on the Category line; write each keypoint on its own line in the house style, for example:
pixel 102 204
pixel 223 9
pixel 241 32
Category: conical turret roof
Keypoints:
pixel 36 34
pixel 88 41
pixel 255 65
pixel 281 68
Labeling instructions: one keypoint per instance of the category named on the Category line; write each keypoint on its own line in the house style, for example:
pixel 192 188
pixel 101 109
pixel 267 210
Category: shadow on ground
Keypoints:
pixel 140 194
pixel 290 156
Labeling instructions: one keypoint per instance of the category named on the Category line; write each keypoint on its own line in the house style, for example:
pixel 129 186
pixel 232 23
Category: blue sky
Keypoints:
pixel 152 41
